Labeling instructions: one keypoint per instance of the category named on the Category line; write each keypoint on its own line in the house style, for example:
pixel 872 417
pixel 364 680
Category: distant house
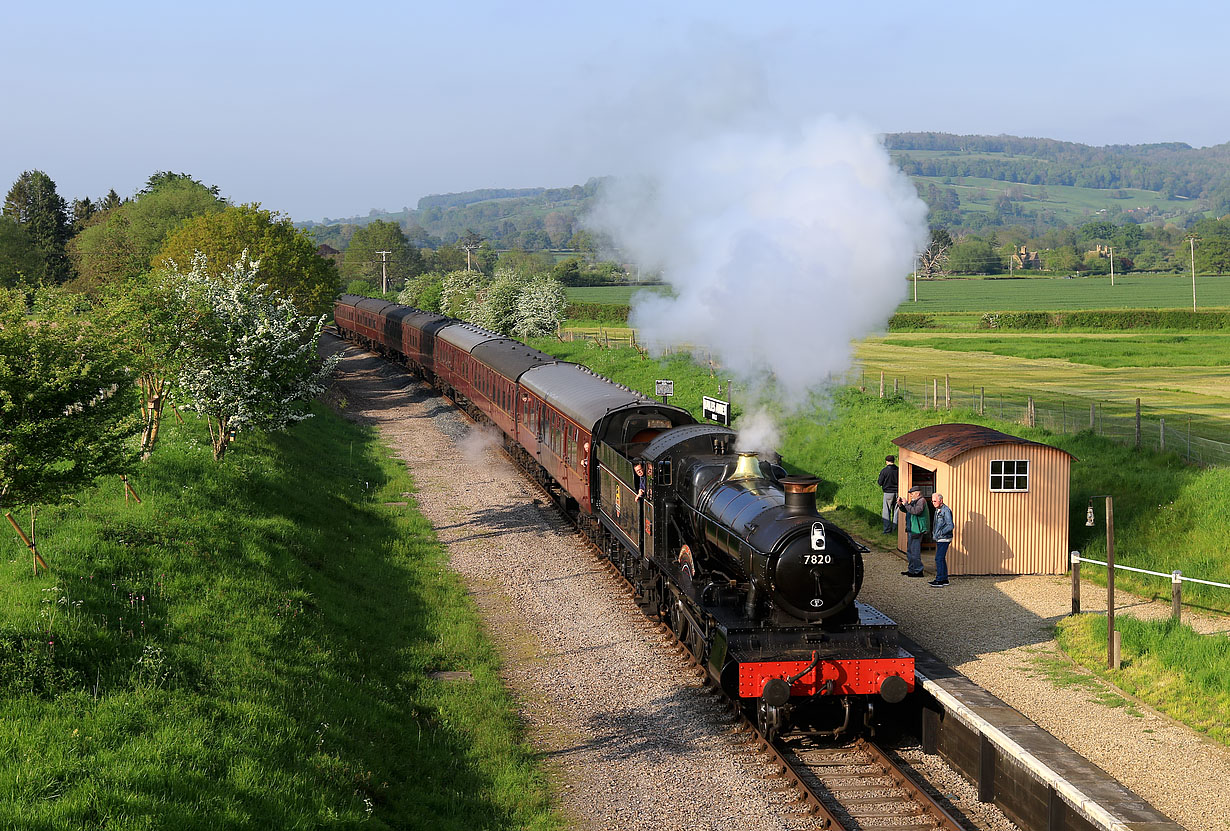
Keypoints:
pixel 1101 250
pixel 1009 497
pixel 328 252
pixel 1022 258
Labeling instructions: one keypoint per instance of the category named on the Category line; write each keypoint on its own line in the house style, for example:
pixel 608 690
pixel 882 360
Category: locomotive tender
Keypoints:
pixel 729 551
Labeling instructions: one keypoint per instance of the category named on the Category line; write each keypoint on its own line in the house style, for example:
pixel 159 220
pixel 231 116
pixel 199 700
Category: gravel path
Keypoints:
pixel 998 632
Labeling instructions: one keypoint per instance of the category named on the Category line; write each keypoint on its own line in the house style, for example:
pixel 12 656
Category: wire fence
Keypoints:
pixel 1129 422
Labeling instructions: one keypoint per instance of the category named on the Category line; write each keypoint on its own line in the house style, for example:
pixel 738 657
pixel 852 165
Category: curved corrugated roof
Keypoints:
pixel 466 336
pixel 510 358
pixel 945 442
pixel 579 393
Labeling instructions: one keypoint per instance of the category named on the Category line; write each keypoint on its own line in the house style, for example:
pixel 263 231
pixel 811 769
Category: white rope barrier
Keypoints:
pixel 1174 575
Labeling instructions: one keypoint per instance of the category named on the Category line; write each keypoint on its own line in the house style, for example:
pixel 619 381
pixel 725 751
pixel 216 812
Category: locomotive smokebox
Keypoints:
pixel 800 495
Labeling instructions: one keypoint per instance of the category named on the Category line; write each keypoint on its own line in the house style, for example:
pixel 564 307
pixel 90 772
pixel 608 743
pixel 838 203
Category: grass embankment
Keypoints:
pixel 252 647
pixel 1168 515
pixel 1164 664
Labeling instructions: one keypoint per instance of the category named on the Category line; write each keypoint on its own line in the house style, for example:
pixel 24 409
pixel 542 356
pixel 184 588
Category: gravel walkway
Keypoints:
pixel 998 632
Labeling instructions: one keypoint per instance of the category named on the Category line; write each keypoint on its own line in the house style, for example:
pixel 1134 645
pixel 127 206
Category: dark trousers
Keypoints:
pixel 941 561
pixel 913 553
pixel 889 512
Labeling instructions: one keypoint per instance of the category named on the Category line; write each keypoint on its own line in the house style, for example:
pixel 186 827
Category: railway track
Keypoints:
pixel 847 787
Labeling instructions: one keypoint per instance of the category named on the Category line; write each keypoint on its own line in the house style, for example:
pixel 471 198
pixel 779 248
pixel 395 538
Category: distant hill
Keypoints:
pixel 526 218
pixel 975 182
pixel 970 183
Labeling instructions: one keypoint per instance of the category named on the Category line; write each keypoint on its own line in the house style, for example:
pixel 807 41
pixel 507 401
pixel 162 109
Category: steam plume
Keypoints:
pixel 783 244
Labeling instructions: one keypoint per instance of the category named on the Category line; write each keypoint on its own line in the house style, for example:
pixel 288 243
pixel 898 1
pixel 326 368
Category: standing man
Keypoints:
pixel 888 484
pixel 917 524
pixel 944 526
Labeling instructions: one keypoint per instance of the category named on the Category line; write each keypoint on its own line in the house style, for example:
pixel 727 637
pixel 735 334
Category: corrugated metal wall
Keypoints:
pixel 1002 533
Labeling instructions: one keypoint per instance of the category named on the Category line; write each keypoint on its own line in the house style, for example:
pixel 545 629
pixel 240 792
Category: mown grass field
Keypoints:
pixel 611 295
pixel 252 646
pixel 1111 350
pixel 1175 379
pixel 1057 294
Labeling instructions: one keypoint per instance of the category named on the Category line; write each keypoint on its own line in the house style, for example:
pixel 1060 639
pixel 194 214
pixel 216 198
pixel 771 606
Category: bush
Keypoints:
pixel 1104 319
pixel 910 321
pixel 601 312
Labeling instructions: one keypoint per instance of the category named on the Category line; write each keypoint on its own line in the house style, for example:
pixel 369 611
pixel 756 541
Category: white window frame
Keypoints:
pixel 1019 470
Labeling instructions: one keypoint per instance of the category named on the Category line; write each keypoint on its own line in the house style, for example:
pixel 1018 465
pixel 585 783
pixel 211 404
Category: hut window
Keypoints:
pixel 1010 475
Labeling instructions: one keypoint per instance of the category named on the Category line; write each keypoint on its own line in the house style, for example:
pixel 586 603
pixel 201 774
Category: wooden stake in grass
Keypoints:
pixel 38 560
pixel 128 490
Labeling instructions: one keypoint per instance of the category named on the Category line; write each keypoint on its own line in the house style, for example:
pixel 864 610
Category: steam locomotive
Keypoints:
pixel 723 546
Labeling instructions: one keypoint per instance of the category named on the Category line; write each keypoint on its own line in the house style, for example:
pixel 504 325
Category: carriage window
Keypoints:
pixel 1010 475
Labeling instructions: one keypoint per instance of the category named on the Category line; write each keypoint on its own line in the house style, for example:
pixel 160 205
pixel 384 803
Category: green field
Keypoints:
pixel 1057 294
pixel 610 295
pixel 1109 350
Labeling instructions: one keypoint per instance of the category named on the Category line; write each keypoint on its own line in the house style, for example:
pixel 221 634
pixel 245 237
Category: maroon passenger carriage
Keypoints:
pixel 724 548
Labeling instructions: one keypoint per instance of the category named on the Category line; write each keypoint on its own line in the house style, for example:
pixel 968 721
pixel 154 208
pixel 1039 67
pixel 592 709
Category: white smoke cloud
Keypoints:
pixel 784 243
pixel 476 443
pixel 758 432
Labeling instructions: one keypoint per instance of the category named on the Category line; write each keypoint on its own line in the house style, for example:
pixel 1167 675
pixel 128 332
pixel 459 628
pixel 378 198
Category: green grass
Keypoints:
pixel 1193 395
pixel 1057 294
pixel 609 295
pixel 1134 350
pixel 1167 665
pixel 1168 515
pixel 251 647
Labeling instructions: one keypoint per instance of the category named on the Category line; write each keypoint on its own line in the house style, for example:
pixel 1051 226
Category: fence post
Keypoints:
pixel 1091 416
pixel 935 393
pixel 1075 558
pixel 895 392
pixel 1138 422
pixel 947 399
pixel 1176 595
pixel 982 401
pixel 881 383
pixel 1029 411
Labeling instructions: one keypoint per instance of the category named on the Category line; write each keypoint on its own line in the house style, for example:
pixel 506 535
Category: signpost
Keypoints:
pixel 664 389
pixel 715 409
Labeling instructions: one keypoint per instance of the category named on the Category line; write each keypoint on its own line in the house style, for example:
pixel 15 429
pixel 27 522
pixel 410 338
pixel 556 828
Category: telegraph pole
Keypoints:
pixel 1112 265
pixel 1192 240
pixel 384 276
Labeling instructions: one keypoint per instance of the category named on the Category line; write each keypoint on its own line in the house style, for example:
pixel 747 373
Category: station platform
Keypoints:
pixel 1036 780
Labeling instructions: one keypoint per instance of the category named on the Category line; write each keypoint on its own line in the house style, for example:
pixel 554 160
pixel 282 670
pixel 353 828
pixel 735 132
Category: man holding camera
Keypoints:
pixel 917 524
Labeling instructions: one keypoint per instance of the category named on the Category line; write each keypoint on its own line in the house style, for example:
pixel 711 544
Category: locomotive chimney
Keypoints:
pixel 748 467
pixel 800 495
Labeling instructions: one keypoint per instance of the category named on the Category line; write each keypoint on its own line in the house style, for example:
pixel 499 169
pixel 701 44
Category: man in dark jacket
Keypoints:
pixel 918 522
pixel 888 484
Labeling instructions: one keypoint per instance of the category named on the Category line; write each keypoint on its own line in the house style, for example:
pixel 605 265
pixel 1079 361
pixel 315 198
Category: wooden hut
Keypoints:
pixel 1009 497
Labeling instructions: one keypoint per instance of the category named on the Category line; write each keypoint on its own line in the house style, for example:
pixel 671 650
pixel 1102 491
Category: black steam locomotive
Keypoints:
pixel 725 547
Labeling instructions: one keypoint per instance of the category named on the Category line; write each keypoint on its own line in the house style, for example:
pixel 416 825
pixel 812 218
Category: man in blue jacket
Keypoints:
pixel 944 526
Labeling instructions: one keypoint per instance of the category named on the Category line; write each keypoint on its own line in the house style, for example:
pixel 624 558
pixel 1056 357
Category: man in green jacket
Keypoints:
pixel 917 524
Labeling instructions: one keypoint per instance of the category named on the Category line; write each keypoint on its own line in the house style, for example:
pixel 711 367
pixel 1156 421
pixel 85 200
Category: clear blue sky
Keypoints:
pixel 320 109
